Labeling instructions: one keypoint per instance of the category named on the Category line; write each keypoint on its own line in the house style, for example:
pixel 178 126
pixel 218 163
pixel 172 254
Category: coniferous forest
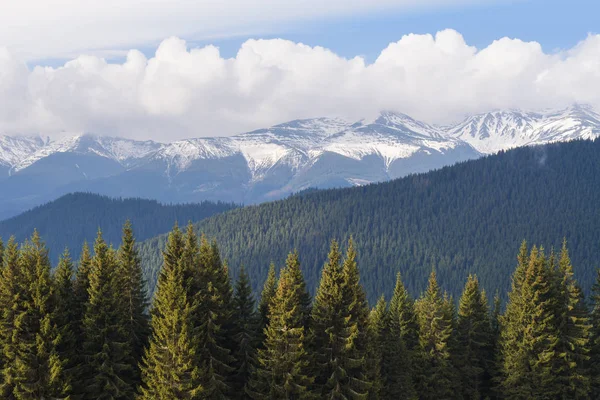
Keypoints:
pixel 87 329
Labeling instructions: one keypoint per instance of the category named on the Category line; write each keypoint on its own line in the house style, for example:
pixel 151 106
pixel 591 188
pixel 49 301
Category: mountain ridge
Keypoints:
pixel 271 163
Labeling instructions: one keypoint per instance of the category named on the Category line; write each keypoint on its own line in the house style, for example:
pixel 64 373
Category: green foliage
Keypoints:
pixel 464 219
pixel 247 322
pixel 475 341
pixel 105 343
pixel 133 301
pixel 284 362
pixel 73 218
pixel 171 367
pixel 435 379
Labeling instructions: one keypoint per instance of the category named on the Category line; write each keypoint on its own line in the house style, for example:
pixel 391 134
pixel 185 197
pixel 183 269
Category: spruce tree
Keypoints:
pixel 268 292
pixel 330 335
pixel 402 307
pixel 214 321
pixel 245 335
pixel 132 301
pixel 33 367
pixel 357 319
pixel 530 335
pixel 435 375
pixel 171 364
pixel 66 318
pixel 475 341
pixel 283 363
pixel 574 334
pixel 106 345
pixel 1 252
pixel 376 335
pixel 595 338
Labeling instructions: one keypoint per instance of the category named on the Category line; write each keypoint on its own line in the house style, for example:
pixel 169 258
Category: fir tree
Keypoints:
pixel 475 341
pixel 402 307
pixel 357 317
pixel 66 318
pixel 171 365
pixel 1 252
pixel 376 335
pixel 268 292
pixel 574 334
pixel 33 367
pixel 106 346
pixel 595 338
pixel 330 335
pixel 132 301
pixel 283 363
pixel 435 375
pixel 214 321
pixel 245 335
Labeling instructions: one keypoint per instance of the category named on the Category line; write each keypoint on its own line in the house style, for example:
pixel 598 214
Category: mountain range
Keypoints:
pixel 269 164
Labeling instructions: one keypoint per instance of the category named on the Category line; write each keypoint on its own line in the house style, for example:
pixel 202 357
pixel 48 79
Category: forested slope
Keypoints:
pixel 461 219
pixel 73 218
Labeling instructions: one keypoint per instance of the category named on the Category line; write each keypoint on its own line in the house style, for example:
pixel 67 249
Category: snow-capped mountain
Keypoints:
pixel 500 130
pixel 269 163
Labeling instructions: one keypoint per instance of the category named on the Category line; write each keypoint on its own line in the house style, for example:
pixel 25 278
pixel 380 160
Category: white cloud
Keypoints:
pixel 182 92
pixel 37 29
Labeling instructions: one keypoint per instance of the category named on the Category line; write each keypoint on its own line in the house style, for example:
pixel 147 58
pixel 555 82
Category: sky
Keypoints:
pixel 166 70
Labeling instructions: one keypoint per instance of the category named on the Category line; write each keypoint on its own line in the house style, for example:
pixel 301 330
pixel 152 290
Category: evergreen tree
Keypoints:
pixel 171 365
pixel 106 345
pixel 530 335
pixel 595 338
pixel 435 375
pixel 12 290
pixel 475 341
pixel 246 331
pixel 402 307
pixel 268 292
pixel 357 319
pixel 283 363
pixel 214 321
pixel 376 335
pixel 132 301
pixel 573 349
pixel 1 252
pixel 330 335
pixel 33 367
pixel 66 318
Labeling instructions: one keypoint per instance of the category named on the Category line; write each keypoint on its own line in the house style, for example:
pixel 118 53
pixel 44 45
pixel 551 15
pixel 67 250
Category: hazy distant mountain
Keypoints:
pixel 269 163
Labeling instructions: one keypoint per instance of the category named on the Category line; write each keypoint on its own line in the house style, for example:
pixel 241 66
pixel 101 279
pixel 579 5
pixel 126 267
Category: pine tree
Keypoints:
pixel 171 364
pixel 33 367
pixel 283 363
pixel 214 321
pixel 573 349
pixel 402 306
pixel 357 319
pixel 330 334
pixel 475 341
pixel 595 338
pixel 376 335
pixel 435 375
pixel 530 335
pixel 268 292
pixel 245 335
pixel 66 318
pixel 293 265
pixel 12 293
pixel 1 252
pixel 132 301
pixel 106 346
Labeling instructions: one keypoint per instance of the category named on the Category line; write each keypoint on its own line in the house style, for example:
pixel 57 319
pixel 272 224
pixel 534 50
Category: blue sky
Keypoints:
pixel 555 24
pixel 145 68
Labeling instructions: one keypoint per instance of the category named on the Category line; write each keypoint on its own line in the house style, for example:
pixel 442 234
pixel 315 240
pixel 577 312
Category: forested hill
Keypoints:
pixel 73 218
pixel 471 217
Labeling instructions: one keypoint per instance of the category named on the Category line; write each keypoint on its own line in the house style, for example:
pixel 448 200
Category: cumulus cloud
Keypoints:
pixel 191 92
